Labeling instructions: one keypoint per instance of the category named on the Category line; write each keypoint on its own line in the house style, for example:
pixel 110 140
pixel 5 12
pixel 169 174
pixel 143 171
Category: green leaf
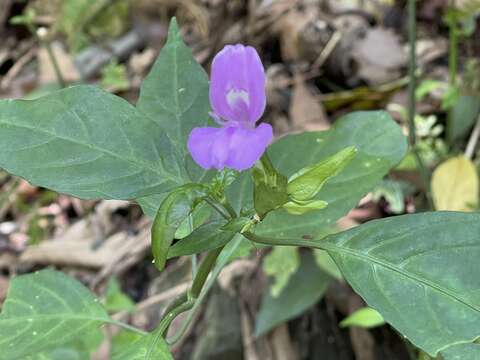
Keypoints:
pixel 380 145
pixel 419 271
pixel 462 352
pixel 365 318
pixel 306 183
pixel 455 185
pixel 46 310
pixel 130 346
pixel 175 95
pixel 303 290
pixel 87 143
pixel 116 299
pixel 207 237
pixel 281 263
pixel 175 92
pixel 176 207
pixel 464 113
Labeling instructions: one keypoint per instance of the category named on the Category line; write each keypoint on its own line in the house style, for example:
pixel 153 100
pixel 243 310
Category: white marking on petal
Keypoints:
pixel 234 96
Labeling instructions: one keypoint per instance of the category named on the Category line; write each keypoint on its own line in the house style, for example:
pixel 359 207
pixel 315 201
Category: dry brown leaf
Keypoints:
pixel 306 112
pixel 81 244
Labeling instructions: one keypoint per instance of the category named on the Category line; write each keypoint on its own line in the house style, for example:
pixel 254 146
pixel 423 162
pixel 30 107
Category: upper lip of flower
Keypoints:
pixel 237 97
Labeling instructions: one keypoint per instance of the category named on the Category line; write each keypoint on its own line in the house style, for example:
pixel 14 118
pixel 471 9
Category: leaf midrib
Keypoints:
pixel 134 161
pixel 359 255
pixel 323 244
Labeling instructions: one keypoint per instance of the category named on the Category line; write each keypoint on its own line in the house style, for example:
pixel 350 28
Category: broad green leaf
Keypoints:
pixel 455 185
pixel 281 263
pixel 303 290
pixel 175 95
pixel 307 182
pixel 365 318
pixel 207 237
pixel 380 145
pixel 150 204
pixel 175 92
pixel 130 346
pixel 87 143
pixel 46 310
pixel 176 207
pixel 116 299
pixel 420 272
pixel 461 352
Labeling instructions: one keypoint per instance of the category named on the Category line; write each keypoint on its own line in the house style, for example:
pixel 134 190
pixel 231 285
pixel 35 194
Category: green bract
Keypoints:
pixel 306 183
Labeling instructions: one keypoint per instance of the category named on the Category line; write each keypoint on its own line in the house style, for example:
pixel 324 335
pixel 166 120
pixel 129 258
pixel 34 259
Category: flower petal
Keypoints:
pixel 248 145
pixel 237 87
pixel 234 147
pixel 200 144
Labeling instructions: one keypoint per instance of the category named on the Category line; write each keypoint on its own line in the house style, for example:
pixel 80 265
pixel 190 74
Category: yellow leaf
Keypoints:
pixel 455 185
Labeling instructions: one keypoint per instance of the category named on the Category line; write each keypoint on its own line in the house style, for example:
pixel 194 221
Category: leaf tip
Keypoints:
pixel 173 28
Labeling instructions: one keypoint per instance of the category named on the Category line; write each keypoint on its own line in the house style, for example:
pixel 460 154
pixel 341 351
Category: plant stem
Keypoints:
pixel 185 303
pixel 229 208
pixel 452 61
pixel 221 262
pixel 56 67
pixel 203 271
pixel 218 207
pixel 165 323
pixel 412 37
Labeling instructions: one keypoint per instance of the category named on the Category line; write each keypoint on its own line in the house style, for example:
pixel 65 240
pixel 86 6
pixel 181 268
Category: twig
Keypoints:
pixel 412 38
pixel 15 69
pixel 43 37
pixel 327 50
pixel 154 300
pixel 472 142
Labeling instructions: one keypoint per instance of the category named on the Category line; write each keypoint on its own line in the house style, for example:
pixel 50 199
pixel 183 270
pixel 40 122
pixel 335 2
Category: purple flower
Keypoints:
pixel 237 97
